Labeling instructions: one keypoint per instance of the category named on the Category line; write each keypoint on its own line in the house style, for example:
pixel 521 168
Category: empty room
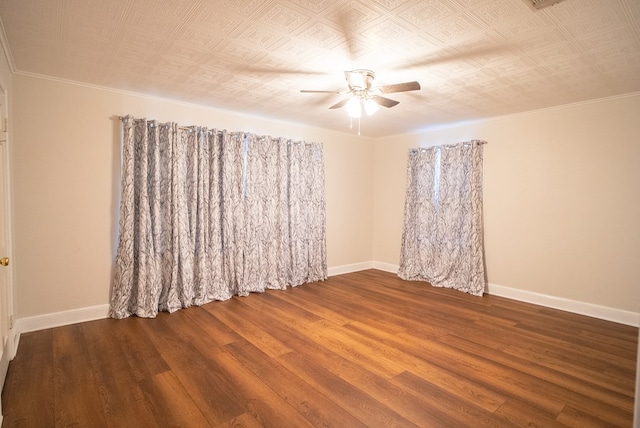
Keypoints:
pixel 289 213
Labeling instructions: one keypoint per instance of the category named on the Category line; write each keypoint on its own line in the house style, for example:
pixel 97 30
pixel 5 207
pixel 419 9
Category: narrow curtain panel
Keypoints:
pixel 267 253
pixel 205 215
pixel 285 214
pixel 442 240
pixel 307 224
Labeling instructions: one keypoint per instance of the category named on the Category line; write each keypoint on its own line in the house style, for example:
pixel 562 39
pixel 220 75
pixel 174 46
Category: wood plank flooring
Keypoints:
pixel 362 349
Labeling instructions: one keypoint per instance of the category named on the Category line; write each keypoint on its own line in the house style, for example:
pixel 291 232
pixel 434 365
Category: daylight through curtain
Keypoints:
pixel 442 240
pixel 208 214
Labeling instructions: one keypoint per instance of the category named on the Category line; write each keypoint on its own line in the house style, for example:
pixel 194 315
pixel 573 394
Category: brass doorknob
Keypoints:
pixel 4 261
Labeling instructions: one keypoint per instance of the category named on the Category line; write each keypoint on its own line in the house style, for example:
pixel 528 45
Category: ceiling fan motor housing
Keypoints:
pixel 360 79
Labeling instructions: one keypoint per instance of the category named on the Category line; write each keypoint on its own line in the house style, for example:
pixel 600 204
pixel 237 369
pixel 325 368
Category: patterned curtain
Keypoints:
pixel 442 240
pixel 284 214
pixel 207 214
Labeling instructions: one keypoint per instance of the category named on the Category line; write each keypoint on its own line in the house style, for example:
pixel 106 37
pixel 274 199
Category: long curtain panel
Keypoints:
pixel 442 240
pixel 208 214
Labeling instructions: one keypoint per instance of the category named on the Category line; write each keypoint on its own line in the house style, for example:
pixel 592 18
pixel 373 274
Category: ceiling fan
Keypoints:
pixel 362 95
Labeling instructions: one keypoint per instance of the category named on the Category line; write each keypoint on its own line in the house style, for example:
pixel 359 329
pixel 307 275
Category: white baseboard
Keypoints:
pixel 387 267
pixel 57 319
pixel 582 308
pixel 355 267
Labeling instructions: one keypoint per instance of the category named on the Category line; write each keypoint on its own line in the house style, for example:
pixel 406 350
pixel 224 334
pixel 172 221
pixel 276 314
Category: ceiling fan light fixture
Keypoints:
pixel 370 106
pixel 354 109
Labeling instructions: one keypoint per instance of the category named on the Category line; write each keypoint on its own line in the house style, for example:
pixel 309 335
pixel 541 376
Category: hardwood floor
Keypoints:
pixel 362 349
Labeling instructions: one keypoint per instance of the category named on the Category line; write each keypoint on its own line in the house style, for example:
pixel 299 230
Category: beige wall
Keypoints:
pixel 66 168
pixel 561 199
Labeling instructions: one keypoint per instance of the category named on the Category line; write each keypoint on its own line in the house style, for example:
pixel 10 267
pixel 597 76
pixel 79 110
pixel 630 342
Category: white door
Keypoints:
pixel 6 295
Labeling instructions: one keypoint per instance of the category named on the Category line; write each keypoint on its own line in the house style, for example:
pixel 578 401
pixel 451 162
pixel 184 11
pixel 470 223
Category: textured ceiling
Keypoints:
pixel 473 58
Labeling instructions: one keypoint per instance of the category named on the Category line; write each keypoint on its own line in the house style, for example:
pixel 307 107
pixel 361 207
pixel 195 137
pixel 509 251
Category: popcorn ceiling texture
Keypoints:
pixel 474 58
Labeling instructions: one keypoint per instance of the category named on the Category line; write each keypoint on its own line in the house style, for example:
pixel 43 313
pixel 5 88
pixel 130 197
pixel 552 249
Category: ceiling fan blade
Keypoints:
pixel 308 91
pixel 340 104
pixel 347 25
pixel 400 87
pixel 461 53
pixel 385 102
pixel 285 71
pixel 320 100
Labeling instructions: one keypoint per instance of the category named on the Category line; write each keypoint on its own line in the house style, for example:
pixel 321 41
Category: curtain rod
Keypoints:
pixel 480 142
pixel 210 130
pixel 414 148
pixel 189 127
